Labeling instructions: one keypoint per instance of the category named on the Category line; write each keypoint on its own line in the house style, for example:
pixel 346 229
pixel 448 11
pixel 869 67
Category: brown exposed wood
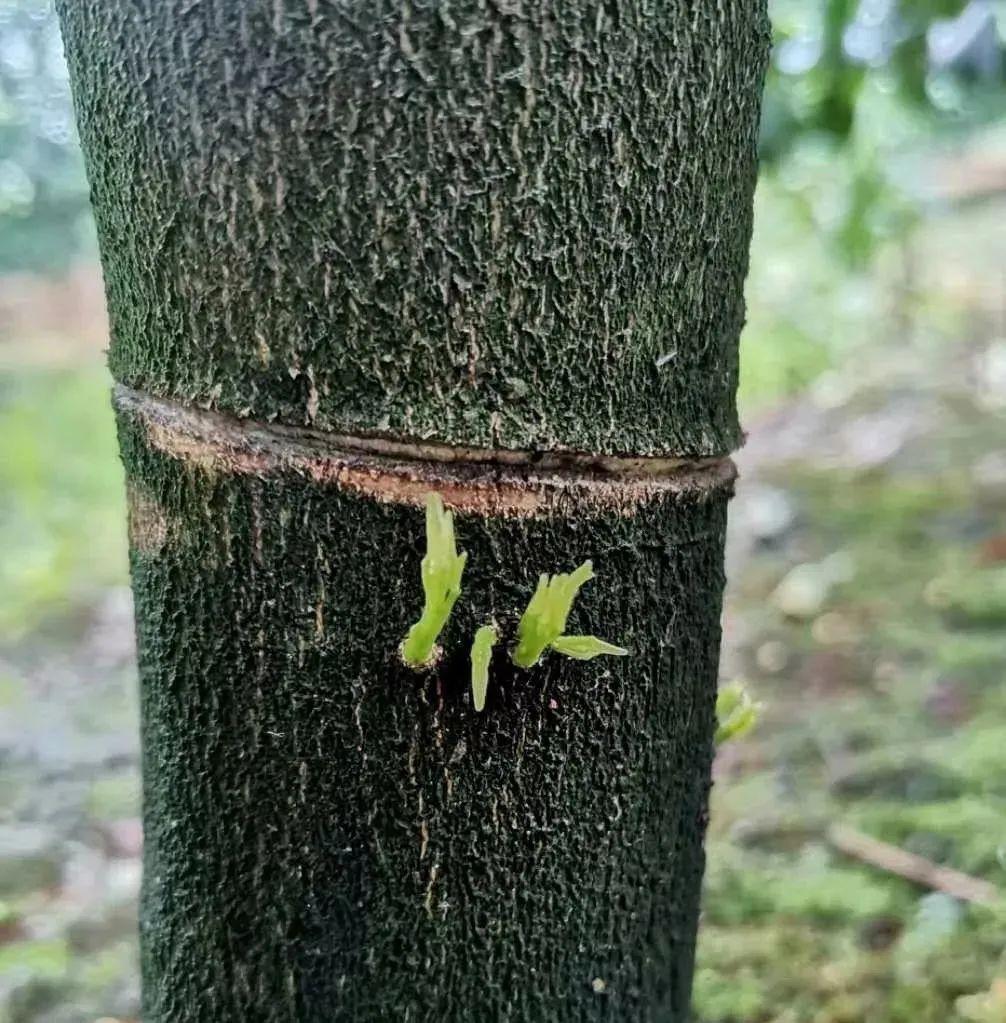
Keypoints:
pixel 470 479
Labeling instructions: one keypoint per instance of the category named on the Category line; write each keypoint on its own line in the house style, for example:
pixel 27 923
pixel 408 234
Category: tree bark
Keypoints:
pixel 355 253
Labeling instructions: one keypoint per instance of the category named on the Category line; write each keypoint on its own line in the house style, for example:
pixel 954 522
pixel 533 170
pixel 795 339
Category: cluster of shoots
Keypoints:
pixel 542 626
pixel 736 712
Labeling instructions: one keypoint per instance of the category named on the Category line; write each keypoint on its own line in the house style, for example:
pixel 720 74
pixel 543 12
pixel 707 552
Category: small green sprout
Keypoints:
pixel 586 648
pixel 542 624
pixel 441 573
pixel 482 652
pixel 736 712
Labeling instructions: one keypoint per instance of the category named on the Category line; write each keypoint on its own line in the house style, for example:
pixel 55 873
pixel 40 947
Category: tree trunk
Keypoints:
pixel 355 253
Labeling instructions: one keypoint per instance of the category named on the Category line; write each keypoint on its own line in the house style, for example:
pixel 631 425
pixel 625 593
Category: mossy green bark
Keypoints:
pixel 334 837
pixel 513 225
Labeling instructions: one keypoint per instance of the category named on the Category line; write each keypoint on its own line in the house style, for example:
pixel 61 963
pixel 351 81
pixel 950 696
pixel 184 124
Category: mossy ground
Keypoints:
pixel 867 609
pixel 886 711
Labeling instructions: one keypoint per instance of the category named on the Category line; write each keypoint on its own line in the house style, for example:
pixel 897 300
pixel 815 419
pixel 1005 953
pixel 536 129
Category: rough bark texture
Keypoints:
pixel 505 225
pixel 332 837
pixel 493 222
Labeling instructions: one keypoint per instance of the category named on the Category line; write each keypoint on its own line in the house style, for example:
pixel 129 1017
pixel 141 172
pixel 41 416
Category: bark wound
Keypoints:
pixel 491 482
pixel 148 523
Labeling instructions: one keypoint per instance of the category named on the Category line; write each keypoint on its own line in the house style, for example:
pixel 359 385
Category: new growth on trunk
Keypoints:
pixel 360 253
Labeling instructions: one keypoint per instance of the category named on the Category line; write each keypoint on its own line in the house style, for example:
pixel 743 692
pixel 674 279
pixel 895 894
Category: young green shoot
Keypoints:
pixel 736 712
pixel 482 652
pixel 544 621
pixel 586 648
pixel 441 574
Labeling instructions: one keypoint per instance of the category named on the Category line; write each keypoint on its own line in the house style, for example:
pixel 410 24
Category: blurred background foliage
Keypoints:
pixel 867 598
pixel 44 219
pixel 861 94
pixel 856 87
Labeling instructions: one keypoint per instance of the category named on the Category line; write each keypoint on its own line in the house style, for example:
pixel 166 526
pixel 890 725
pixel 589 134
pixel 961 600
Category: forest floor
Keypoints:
pixel 866 608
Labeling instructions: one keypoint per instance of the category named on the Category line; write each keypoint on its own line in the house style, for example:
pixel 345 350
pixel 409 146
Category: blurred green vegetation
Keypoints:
pixel 872 625
pixel 62 525
pixel 856 86
pixel 45 221
pixel 859 96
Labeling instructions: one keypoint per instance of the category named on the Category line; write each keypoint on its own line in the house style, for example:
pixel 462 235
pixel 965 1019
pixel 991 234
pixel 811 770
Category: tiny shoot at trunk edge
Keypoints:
pixel 736 712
